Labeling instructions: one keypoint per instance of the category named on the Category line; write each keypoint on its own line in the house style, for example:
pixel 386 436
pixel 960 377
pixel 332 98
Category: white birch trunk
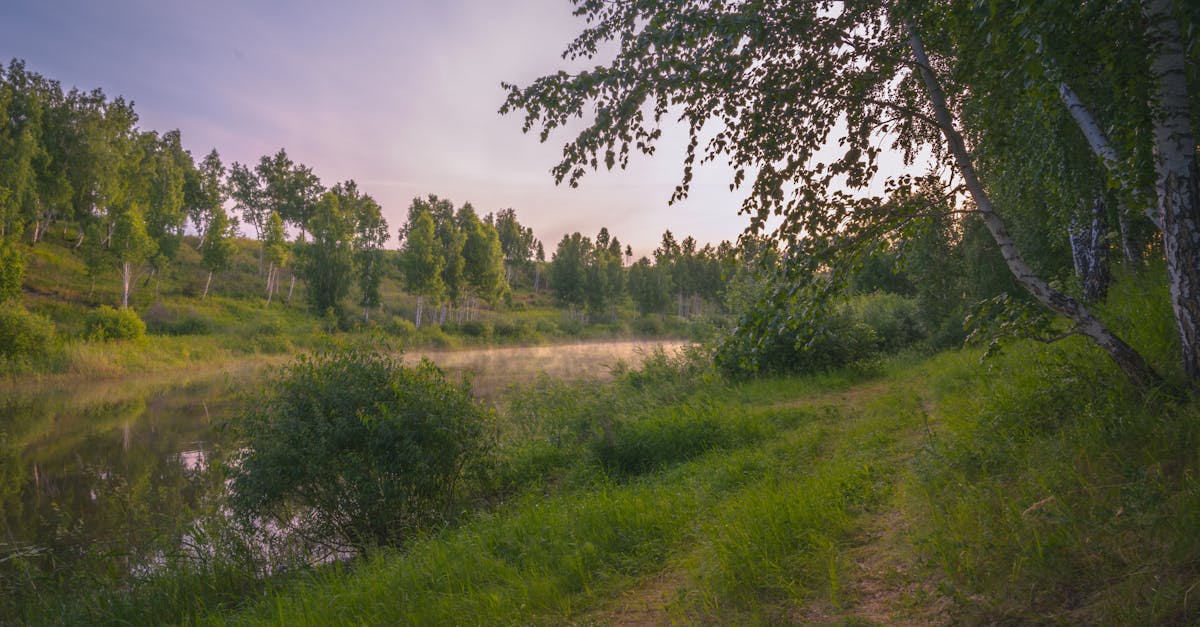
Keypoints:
pixel 1178 183
pixel 126 277
pixel 207 283
pixel 1108 155
pixel 1130 362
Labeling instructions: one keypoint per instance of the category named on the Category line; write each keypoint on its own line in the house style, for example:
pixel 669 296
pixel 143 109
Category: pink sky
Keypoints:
pixel 400 96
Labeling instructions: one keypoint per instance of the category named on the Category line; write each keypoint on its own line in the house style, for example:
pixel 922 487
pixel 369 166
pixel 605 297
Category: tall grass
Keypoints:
pixel 1057 492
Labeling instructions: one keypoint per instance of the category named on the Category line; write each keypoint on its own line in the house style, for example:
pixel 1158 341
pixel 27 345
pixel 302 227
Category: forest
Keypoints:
pixel 948 373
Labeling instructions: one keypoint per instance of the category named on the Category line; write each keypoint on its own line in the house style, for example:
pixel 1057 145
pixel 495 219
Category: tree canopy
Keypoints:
pixel 801 99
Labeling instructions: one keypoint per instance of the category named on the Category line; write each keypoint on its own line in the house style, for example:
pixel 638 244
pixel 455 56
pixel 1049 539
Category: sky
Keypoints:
pixel 401 96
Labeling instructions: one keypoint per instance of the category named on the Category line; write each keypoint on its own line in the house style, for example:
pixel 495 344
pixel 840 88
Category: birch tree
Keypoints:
pixel 421 260
pixel 276 250
pixel 770 87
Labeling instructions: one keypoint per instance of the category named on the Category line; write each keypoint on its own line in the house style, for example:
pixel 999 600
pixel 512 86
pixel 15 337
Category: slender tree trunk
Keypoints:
pixel 270 283
pixel 1089 251
pixel 418 319
pixel 1097 139
pixel 1127 359
pixel 291 288
pixel 207 283
pixel 1129 248
pixel 126 277
pixel 1178 182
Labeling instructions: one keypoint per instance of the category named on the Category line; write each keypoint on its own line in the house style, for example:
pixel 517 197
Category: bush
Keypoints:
pixel 476 328
pixel 895 319
pixel 12 270
pixel 649 325
pixel 353 449
pixel 761 345
pixel 400 327
pixel 24 336
pixel 106 323
pixel 163 321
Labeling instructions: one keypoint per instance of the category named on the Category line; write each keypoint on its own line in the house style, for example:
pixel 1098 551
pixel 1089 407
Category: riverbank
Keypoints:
pixel 1035 487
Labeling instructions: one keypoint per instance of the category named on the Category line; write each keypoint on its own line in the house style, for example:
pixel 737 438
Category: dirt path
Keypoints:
pixel 884 583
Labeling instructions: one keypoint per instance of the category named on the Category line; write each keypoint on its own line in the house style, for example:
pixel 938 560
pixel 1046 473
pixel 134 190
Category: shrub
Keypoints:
pixel 12 270
pixel 353 449
pixel 894 318
pixel 163 321
pixel 106 323
pixel 24 336
pixel 650 325
pixel 761 345
pixel 476 328
pixel 400 327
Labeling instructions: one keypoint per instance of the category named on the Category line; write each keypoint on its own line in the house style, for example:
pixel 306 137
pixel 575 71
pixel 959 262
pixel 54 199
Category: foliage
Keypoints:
pixel 483 258
pixel 894 319
pixel 353 449
pixel 12 270
pixel 24 336
pixel 327 261
pixel 770 86
pixel 105 323
pixel 837 339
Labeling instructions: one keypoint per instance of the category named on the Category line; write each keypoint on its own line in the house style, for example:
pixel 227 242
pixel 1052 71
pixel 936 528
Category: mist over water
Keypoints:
pixel 116 467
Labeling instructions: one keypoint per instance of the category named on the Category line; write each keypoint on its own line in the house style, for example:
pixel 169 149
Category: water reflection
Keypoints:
pixel 112 474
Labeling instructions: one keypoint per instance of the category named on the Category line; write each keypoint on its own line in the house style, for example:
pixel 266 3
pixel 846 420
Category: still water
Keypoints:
pixel 112 471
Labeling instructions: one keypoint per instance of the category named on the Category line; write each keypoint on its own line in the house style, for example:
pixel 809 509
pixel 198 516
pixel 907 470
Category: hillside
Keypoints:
pixel 234 321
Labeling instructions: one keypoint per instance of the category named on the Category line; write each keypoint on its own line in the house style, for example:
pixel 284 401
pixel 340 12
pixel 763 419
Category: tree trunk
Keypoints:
pixel 1089 251
pixel 1108 155
pixel 1178 183
pixel 207 283
pixel 126 277
pixel 1129 248
pixel 418 319
pixel 291 288
pixel 270 284
pixel 1127 359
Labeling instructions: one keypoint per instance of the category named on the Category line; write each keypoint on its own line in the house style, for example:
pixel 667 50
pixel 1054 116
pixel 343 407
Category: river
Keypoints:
pixel 97 474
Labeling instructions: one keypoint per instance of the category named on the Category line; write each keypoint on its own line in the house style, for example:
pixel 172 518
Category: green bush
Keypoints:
pixel 400 327
pixel 161 320
pixel 353 449
pixel 650 325
pixel 477 329
pixel 12 270
pixel 24 336
pixel 510 329
pixel 895 319
pixel 106 323
pixel 763 344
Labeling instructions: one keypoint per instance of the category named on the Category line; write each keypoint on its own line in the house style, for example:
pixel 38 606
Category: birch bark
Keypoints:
pixel 1127 359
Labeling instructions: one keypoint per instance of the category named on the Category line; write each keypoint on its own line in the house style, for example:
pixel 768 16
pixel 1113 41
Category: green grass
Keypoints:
pixel 233 323
pixel 1033 487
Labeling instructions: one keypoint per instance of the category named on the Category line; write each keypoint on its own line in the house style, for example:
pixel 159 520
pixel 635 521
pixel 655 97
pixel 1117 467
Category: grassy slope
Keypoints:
pixel 1034 487
pixel 233 324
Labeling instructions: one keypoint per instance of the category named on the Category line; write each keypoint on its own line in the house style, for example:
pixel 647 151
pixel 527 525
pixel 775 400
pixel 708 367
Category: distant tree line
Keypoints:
pixel 79 158
pixel 125 197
